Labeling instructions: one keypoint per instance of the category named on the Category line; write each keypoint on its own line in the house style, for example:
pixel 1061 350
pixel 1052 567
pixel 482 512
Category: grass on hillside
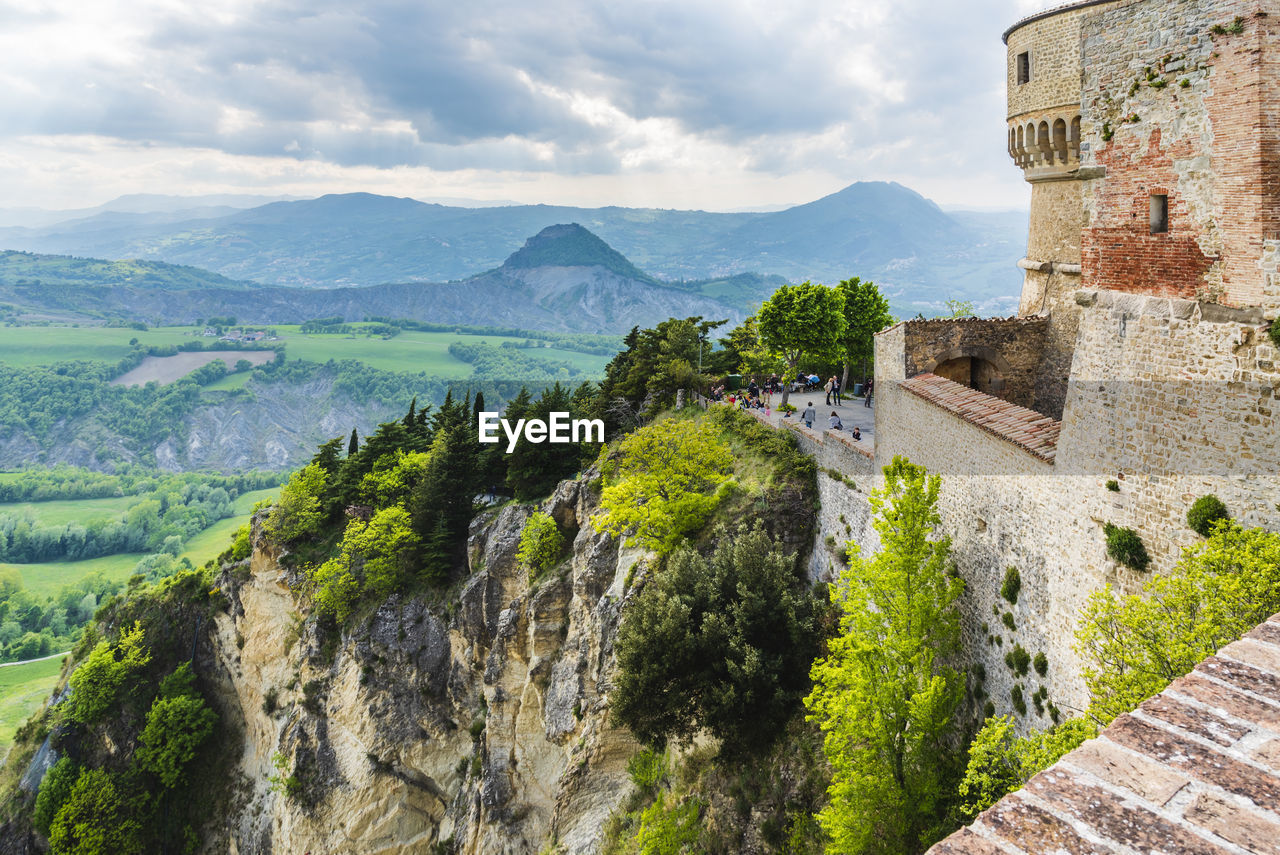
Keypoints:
pixel 23 690
pixel 63 511
pixel 410 351
pixel 47 578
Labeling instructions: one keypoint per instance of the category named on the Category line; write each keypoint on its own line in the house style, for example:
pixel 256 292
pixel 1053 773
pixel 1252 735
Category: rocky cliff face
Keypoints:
pixel 277 427
pixel 476 722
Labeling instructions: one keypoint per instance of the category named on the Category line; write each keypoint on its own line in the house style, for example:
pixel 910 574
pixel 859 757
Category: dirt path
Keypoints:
pixel 166 369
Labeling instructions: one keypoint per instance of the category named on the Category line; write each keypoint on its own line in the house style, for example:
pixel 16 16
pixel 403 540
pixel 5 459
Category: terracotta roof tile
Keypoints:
pixel 1033 432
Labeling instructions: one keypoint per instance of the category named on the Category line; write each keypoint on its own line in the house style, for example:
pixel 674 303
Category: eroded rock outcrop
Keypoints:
pixel 477 720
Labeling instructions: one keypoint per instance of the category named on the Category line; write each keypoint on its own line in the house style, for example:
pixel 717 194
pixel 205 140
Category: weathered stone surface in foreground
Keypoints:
pixel 1196 769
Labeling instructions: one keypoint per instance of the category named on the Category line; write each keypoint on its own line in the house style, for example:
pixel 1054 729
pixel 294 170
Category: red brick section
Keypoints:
pixel 1239 207
pixel 1196 769
pixel 1027 429
pixel 1119 252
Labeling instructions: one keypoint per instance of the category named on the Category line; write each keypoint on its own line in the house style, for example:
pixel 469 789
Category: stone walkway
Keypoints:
pixel 852 412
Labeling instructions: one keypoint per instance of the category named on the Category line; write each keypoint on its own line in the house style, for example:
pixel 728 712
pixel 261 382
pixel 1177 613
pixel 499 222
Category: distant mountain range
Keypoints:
pixel 919 254
pixel 563 279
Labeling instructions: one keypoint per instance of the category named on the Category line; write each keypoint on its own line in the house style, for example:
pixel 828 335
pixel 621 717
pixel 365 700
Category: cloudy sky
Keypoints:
pixel 711 104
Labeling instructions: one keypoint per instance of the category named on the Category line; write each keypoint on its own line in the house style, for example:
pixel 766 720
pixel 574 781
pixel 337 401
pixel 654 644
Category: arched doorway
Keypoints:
pixel 974 366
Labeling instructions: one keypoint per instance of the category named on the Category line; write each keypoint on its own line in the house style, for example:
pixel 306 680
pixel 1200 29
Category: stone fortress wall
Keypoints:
pixel 1154 368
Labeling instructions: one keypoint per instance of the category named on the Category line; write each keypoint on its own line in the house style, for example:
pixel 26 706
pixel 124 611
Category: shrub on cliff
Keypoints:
pixel 1134 646
pixel 1204 513
pixel 96 684
pixel 375 558
pixel 1124 545
pixel 540 545
pixel 661 483
pixel 721 642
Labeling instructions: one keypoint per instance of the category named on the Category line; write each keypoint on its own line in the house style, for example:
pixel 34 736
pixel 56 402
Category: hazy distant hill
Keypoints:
pixel 886 232
pixel 563 279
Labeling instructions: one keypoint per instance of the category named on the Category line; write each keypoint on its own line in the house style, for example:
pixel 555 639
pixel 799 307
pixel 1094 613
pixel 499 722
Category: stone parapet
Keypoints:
pixel 1194 769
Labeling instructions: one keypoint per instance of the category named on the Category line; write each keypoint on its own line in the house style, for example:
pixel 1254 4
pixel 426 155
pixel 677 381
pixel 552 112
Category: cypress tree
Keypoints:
pixel 354 445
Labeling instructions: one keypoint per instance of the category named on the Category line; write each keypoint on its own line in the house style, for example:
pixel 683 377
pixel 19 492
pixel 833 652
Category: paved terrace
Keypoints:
pixel 1196 769
pixel 853 412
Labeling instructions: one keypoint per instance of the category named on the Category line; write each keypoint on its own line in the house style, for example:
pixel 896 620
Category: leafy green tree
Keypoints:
pixel 394 478
pixel 885 696
pixel 374 559
pixel 803 321
pixel 328 457
pixel 96 683
pixel 960 308
pixel 176 728
pixel 94 820
pixel 662 482
pixel 722 643
pixel 746 354
pixel 55 789
pixel 1137 645
pixel 643 378
pixel 1000 762
pixel 866 312
pixel 297 513
pixel 534 469
pixel 540 544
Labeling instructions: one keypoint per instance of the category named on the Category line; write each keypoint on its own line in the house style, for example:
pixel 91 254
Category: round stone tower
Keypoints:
pixel 1044 84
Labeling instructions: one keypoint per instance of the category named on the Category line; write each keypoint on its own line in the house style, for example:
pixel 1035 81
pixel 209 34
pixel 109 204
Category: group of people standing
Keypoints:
pixel 834 396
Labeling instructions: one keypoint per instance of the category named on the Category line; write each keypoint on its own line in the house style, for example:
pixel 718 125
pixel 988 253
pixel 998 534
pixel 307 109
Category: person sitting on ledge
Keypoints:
pixel 834 422
pixel 857 434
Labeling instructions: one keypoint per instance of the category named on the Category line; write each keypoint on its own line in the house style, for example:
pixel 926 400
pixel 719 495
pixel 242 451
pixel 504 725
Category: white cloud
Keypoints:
pixel 677 103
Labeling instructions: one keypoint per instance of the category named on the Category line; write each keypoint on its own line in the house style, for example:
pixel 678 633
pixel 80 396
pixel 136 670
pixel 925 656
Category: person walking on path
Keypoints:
pixel 809 416
pixel 870 390
pixel 836 390
pixel 831 385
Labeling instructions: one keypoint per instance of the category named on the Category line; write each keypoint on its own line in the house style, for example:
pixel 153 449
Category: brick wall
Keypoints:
pixel 1170 107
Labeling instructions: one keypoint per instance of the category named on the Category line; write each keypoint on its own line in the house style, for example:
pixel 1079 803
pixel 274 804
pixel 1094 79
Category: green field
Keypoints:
pixel 410 351
pixel 231 381
pixel 47 578
pixel 217 537
pixel 23 689
pixel 61 512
